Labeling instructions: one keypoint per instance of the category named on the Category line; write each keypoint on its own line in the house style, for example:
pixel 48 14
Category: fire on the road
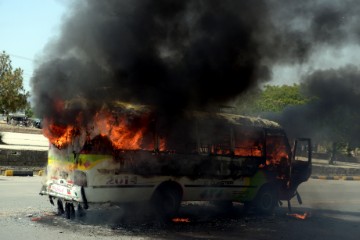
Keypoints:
pixel 181 220
pixel 299 216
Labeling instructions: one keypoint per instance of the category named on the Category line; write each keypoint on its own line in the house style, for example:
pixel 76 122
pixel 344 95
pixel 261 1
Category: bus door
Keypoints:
pixel 300 169
pixel 301 161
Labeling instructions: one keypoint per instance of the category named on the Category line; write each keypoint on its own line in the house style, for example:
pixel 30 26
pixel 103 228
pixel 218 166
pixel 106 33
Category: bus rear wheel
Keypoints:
pixel 166 202
pixel 266 199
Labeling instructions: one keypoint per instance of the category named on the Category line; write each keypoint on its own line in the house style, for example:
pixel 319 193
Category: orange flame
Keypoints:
pixel 299 216
pixel 181 220
pixel 162 144
pixel 118 129
pixel 117 132
pixel 60 136
pixel 276 150
pixel 250 151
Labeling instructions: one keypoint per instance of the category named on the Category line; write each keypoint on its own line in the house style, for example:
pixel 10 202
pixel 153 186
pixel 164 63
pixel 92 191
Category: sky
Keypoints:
pixel 25 28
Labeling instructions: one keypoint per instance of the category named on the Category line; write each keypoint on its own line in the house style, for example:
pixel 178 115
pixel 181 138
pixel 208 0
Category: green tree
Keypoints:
pixel 29 112
pixel 13 96
pixel 271 99
pixel 276 98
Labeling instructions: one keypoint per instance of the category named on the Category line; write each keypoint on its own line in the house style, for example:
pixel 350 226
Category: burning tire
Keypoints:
pixel 166 201
pixel 266 199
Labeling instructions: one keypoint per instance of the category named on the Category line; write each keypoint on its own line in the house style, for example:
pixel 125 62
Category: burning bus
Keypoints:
pixel 129 153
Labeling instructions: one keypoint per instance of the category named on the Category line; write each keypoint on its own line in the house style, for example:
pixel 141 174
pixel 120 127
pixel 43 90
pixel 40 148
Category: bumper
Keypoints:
pixel 61 191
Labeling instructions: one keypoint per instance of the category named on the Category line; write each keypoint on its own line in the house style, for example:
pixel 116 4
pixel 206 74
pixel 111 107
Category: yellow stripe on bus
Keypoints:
pixel 85 161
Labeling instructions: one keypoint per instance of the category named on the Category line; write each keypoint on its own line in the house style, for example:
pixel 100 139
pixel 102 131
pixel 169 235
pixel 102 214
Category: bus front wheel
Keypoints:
pixel 266 199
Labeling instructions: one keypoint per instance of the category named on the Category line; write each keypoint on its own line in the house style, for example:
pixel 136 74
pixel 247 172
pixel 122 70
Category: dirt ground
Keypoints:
pixel 10 128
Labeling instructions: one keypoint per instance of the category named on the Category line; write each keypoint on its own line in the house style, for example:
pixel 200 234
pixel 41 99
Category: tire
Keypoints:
pixel 72 210
pixel 67 211
pixel 60 207
pixel 266 199
pixel 166 202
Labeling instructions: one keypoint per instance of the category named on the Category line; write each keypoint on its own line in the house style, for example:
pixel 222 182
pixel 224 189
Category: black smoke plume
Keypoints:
pixel 179 54
pixel 333 114
pixel 171 54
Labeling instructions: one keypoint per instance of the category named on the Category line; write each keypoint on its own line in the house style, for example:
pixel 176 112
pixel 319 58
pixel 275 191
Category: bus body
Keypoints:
pixel 215 157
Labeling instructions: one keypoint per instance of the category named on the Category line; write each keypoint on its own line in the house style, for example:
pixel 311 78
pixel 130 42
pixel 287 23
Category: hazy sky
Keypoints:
pixel 26 26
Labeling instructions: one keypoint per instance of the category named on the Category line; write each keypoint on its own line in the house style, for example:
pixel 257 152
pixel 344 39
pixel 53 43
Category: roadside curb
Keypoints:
pixel 18 173
pixel 22 172
pixel 357 178
pixel 346 178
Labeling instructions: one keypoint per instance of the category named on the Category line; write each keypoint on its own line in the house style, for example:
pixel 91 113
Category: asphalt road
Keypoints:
pixel 333 195
pixel 333 206
pixel 28 141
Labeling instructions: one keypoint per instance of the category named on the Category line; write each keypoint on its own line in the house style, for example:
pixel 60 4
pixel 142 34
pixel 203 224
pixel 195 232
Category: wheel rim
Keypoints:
pixel 166 202
pixel 267 201
pixel 170 203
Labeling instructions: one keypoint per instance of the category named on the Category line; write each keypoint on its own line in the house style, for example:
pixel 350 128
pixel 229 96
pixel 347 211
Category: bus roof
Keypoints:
pixel 235 119
pixel 238 119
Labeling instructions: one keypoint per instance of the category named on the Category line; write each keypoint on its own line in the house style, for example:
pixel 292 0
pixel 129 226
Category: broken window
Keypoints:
pixel 249 142
pixel 179 137
pixel 215 138
pixel 277 148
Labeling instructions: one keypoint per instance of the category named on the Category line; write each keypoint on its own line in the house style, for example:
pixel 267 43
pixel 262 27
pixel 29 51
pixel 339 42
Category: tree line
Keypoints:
pixel 13 96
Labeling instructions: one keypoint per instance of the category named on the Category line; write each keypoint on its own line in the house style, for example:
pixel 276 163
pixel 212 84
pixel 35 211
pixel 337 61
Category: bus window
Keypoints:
pixel 221 144
pixel 180 138
pixel 147 141
pixel 215 139
pixel 98 145
pixel 277 149
pixel 248 142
